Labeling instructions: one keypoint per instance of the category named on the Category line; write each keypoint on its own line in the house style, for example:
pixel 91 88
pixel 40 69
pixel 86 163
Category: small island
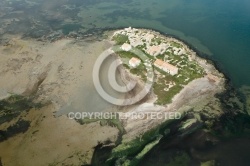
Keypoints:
pixel 175 65
pixel 184 83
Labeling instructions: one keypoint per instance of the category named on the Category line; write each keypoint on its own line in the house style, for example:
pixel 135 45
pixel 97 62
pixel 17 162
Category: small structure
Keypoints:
pixel 165 66
pixel 126 47
pixel 149 37
pixel 154 50
pixel 157 50
pixel 129 29
pixel 136 42
pixel 179 51
pixel 134 62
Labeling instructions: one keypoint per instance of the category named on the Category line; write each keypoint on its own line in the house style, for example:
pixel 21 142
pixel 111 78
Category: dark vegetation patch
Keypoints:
pixel 13 106
pixel 10 109
pixel 20 127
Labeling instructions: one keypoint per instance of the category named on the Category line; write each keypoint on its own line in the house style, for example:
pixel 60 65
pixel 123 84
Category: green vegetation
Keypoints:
pixel 112 121
pixel 130 153
pixel 13 106
pixel 175 44
pixel 139 70
pixel 157 40
pixel 188 71
pixel 133 147
pixel 208 163
pixel 165 96
pixel 127 55
pixel 147 148
pixel 12 109
pixel 120 39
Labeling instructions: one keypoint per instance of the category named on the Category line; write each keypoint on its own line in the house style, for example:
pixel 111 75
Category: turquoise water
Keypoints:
pixel 219 28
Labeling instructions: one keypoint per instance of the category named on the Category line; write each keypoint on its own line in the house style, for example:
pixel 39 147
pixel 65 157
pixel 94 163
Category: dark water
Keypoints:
pixel 188 152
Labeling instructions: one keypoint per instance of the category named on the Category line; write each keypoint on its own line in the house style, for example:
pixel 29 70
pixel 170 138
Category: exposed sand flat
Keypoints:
pixel 52 72
pixel 55 141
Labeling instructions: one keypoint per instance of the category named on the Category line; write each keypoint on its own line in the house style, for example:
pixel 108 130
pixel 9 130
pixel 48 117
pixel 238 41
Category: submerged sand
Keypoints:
pixel 56 72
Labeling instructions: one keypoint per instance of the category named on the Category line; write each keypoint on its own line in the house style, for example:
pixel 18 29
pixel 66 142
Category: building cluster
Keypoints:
pixel 139 38
pixel 157 50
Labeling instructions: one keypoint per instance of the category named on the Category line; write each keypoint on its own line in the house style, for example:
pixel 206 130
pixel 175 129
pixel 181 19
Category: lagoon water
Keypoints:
pixel 219 28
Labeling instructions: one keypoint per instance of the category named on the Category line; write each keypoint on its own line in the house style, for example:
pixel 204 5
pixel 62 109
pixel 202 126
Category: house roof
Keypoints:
pixel 149 37
pixel 161 63
pixel 126 47
pixel 134 60
pixel 154 49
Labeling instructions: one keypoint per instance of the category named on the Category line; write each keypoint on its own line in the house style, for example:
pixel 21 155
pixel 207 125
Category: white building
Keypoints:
pixel 129 29
pixel 157 50
pixel 126 47
pixel 136 42
pixel 134 62
pixel 165 66
pixel 149 37
pixel 179 51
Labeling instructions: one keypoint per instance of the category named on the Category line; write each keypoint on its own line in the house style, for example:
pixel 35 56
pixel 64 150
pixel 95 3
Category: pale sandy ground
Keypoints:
pixel 53 72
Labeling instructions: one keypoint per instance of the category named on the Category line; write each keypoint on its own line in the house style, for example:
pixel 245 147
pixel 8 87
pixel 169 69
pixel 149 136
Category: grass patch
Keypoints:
pixel 175 44
pixel 13 106
pixel 20 127
pixel 120 39
pixel 157 40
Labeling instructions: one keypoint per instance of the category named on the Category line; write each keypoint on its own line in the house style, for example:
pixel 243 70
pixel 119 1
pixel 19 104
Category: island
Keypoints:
pixel 175 65
pixel 183 83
